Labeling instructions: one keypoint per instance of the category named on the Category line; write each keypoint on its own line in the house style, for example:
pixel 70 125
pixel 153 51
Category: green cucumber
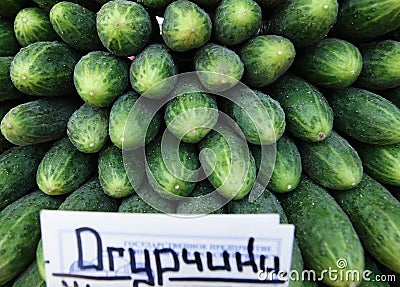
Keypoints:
pixel 330 63
pixel 9 45
pixel 20 232
pixel 380 69
pixel 308 114
pixel 192 114
pixel 30 277
pixel 76 25
pixel 375 214
pixel 113 176
pixel 365 116
pixel 18 167
pixel 40 260
pixel 304 22
pixel 218 68
pixel 324 232
pixel 124 27
pixel 172 170
pixel 235 21
pixel 38 121
pixel 7 89
pixel 4 109
pixel 64 168
pixel 332 163
pixel 260 117
pixel 228 163
pixel 151 70
pixel 186 26
pixel 265 59
pixel 100 78
pixel 44 69
pixel 87 128
pixel 33 25
pixel 363 20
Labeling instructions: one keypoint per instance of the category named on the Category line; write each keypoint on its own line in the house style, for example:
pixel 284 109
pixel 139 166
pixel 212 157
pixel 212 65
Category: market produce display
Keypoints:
pixel 205 107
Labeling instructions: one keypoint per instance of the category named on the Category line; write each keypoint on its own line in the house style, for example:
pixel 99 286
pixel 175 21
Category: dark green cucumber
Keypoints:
pixel 265 59
pixel 7 89
pixel 44 69
pixel 375 214
pixel 30 277
pixel 101 77
pixel 228 162
pixel 380 65
pixel 124 27
pixel 192 114
pixel 128 111
pixel 18 167
pixel 37 121
pixel 76 25
pixel 9 45
pixel 261 118
pixel 151 70
pixel 330 63
pixel 113 176
pixel 218 67
pixel 324 232
pixel 304 22
pixel 365 116
pixel 186 26
pixel 20 232
pixel 64 168
pixel 33 25
pixel 308 114
pixel 235 21
pixel 87 128
pixel 392 95
pixel 332 163
pixel 363 20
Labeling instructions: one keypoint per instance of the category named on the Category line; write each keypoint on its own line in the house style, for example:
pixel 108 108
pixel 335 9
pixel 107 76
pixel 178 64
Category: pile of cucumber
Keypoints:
pixel 317 82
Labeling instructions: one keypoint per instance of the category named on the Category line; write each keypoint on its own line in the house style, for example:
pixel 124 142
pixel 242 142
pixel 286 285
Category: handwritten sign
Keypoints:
pixel 86 249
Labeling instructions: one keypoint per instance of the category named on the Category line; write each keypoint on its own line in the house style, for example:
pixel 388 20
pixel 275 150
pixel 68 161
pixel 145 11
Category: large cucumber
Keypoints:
pixel 375 214
pixel 324 232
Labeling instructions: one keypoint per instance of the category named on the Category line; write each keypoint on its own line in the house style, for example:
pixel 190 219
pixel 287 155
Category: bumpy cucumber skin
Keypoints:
pixel 64 168
pixel 265 59
pixel 186 26
pixel 326 240
pixel 333 163
pixel 18 167
pixel 30 277
pixel 33 25
pixel 365 116
pixel 87 128
pixel 9 45
pixel 235 21
pixel 375 214
pixel 380 65
pixel 363 20
pixel 124 27
pixel 308 114
pixel 135 135
pixel 37 121
pixel 234 172
pixel 7 89
pixel 304 22
pixel 112 174
pixel 76 25
pixel 330 63
pixel 100 77
pixel 150 70
pixel 20 232
pixel 44 69
pixel 218 67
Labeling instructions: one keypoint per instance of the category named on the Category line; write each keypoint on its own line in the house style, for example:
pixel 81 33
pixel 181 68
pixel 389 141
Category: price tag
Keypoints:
pixel 86 249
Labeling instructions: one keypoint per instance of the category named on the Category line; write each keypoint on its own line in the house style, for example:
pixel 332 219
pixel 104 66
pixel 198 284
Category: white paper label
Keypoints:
pixel 86 249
